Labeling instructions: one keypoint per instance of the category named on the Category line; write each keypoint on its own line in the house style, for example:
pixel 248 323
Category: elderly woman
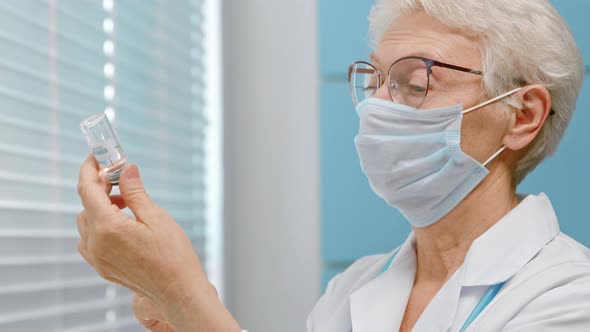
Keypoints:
pixel 460 101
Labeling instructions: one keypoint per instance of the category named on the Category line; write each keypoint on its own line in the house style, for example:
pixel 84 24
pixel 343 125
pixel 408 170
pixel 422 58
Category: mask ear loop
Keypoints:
pixel 504 95
pixel 494 156
pixel 491 100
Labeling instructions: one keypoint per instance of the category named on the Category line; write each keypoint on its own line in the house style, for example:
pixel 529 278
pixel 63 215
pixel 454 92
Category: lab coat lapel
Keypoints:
pixel 494 257
pixel 438 314
pixel 512 242
pixel 380 304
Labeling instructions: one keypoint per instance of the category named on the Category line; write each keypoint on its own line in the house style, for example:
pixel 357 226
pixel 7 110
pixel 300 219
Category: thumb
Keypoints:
pixel 149 315
pixel 134 194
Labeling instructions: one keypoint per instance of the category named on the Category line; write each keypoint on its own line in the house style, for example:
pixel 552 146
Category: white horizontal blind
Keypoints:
pixel 53 73
pixel 158 102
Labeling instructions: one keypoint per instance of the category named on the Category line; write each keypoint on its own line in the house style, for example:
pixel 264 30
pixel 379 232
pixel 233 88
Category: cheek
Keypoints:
pixel 481 134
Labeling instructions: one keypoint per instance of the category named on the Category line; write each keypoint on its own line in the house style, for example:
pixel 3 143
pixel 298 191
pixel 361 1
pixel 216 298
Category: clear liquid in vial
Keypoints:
pixel 111 160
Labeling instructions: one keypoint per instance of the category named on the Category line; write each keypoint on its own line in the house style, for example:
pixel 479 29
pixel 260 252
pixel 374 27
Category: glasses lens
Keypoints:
pixel 408 82
pixel 363 81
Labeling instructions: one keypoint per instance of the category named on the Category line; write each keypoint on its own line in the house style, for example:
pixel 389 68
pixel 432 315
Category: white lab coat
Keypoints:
pixel 547 286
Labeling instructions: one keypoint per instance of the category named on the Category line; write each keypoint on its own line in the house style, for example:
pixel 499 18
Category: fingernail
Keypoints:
pixel 132 172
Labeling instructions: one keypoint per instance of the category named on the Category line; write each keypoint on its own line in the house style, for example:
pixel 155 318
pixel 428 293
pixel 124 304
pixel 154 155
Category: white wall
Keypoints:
pixel 271 159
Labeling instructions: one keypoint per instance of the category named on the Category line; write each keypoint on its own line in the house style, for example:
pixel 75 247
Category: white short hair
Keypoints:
pixel 521 42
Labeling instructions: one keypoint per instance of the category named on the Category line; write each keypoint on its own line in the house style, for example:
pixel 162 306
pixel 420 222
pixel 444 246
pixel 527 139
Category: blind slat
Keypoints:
pixel 61 310
pixel 180 96
pixel 41 260
pixel 25 18
pixel 135 111
pixel 36 78
pixel 40 105
pixel 23 48
pixel 53 285
pixel 107 327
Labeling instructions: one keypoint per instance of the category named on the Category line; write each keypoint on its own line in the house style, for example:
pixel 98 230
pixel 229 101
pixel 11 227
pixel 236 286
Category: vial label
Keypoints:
pixel 107 154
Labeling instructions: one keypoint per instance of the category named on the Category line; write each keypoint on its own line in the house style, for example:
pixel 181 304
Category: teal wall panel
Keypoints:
pixel 575 12
pixel 343 34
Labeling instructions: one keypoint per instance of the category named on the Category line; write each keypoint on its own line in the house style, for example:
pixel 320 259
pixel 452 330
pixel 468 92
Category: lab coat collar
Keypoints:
pixel 512 242
pixel 497 255
pixel 378 306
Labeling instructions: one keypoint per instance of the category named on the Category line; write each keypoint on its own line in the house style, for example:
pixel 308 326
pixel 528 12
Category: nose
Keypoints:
pixel 382 92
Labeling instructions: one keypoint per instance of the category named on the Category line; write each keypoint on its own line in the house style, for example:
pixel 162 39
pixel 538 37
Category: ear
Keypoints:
pixel 529 119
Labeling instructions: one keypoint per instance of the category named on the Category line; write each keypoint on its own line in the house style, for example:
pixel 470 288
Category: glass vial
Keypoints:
pixel 105 146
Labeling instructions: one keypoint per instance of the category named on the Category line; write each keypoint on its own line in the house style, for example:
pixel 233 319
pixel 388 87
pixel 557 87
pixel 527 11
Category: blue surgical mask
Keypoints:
pixel 413 159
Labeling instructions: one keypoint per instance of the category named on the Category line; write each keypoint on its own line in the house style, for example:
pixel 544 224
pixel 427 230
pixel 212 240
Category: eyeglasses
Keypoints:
pixel 407 79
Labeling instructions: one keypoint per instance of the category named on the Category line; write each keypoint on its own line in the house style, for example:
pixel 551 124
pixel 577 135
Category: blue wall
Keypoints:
pixel 355 222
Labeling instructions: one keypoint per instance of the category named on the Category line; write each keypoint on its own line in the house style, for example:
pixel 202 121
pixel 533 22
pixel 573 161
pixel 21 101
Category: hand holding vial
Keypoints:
pixel 148 253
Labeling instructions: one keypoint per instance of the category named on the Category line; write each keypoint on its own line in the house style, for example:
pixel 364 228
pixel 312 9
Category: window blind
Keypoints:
pixel 139 61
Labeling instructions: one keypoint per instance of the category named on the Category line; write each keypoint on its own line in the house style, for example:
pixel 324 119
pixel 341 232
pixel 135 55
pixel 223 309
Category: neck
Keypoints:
pixel 442 247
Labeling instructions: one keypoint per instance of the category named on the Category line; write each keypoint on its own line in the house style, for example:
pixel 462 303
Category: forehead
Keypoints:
pixel 422 35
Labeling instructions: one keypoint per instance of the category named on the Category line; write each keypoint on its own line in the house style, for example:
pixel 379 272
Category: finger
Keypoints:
pixel 84 251
pixel 144 309
pixel 157 326
pixel 108 187
pixel 134 194
pixel 82 225
pixel 92 188
pixel 102 177
pixel 104 182
pixel 149 315
pixel 118 201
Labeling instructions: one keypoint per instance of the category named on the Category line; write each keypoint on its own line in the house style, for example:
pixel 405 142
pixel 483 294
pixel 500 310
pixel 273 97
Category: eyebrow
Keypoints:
pixel 376 62
pixel 434 56
pixel 373 58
